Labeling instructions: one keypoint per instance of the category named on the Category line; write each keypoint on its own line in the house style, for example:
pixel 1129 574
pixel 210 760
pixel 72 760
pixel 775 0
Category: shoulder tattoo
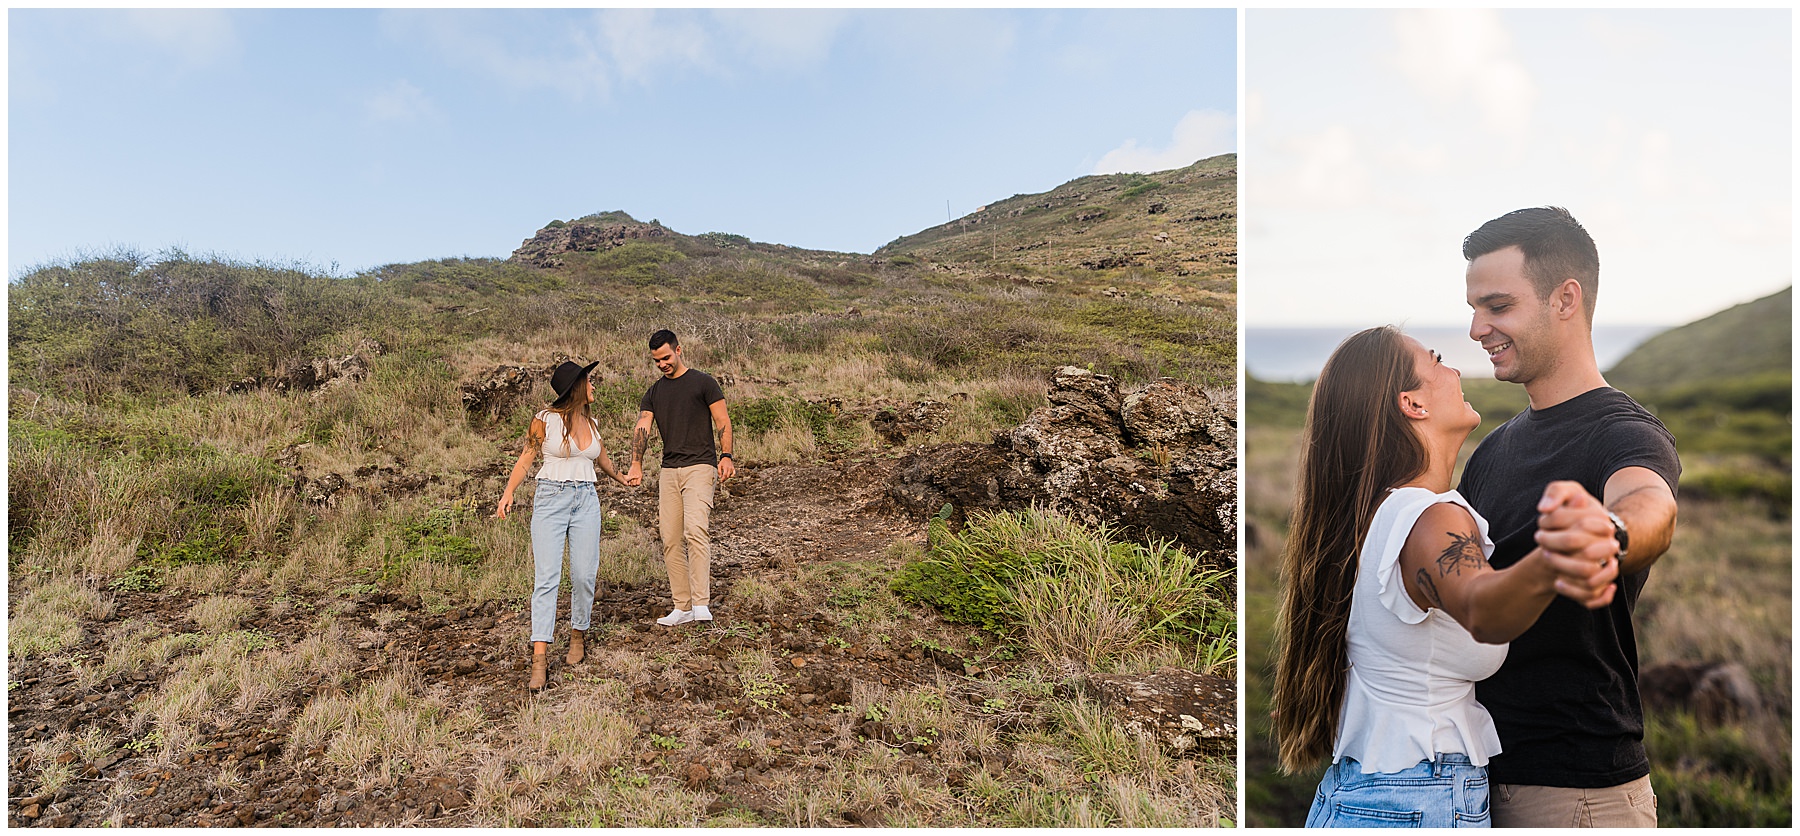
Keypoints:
pixel 1464 550
pixel 1428 588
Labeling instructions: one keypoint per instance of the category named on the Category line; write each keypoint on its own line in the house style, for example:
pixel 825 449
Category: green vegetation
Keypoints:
pixel 1747 340
pixel 1068 591
pixel 168 459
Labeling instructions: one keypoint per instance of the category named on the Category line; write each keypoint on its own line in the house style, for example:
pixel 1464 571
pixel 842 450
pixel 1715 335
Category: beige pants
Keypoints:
pixel 1626 805
pixel 684 513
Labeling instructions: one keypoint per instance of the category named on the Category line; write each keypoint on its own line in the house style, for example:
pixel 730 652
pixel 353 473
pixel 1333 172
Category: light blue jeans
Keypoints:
pixel 1445 792
pixel 564 512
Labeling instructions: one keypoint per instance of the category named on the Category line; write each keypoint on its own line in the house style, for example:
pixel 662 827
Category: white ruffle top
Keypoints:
pixel 570 465
pixel 1410 691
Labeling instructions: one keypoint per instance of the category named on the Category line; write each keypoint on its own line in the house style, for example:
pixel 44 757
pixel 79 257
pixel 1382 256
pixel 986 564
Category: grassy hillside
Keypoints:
pixel 1159 250
pixel 1752 339
pixel 234 601
pixel 1723 592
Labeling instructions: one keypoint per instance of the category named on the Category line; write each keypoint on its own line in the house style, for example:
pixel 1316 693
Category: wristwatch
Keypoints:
pixel 1620 534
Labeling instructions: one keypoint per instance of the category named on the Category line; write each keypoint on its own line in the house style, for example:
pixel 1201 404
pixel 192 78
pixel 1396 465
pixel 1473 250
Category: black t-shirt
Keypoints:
pixel 682 406
pixel 1566 701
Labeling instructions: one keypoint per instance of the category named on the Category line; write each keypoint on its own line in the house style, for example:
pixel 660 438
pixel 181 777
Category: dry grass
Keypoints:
pixel 180 465
pixel 48 617
pixel 217 614
pixel 581 738
pixel 385 729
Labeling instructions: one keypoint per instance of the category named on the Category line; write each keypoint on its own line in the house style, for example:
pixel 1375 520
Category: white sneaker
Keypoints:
pixel 702 614
pixel 676 617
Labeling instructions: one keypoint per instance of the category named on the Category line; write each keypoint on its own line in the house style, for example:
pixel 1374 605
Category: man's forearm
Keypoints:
pixel 640 441
pixel 1649 517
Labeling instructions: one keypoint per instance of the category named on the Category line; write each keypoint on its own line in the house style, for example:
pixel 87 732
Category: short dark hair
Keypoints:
pixel 662 338
pixel 1555 245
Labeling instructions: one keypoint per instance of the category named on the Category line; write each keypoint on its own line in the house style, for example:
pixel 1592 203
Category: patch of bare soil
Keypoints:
pixel 768 525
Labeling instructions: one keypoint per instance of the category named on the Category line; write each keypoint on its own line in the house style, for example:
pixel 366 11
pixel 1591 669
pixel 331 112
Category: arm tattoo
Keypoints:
pixel 1463 550
pixel 1428 588
pixel 640 441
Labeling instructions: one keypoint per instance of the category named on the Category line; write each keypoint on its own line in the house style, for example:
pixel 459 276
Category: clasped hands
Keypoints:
pixel 1576 537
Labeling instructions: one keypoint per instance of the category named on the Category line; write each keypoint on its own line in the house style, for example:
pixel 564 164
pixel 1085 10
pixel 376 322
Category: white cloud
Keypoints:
pixel 194 37
pixel 781 39
pixel 591 55
pixel 399 102
pixel 1328 171
pixel 1452 54
pixel 643 42
pixel 1199 134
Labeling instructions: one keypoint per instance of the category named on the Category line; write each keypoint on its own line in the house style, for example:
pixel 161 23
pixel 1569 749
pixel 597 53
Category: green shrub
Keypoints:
pixel 435 537
pixel 761 416
pixel 1069 590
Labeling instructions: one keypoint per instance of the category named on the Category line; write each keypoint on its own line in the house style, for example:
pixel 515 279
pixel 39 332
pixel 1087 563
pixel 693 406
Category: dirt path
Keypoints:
pixel 800 552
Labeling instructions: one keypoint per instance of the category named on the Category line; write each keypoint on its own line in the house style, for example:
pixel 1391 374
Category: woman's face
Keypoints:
pixel 1440 390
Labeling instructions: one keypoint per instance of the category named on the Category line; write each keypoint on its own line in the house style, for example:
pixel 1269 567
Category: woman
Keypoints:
pixel 565 509
pixel 1389 598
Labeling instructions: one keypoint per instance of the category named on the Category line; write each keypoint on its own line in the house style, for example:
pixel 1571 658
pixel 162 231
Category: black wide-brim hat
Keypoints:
pixel 568 374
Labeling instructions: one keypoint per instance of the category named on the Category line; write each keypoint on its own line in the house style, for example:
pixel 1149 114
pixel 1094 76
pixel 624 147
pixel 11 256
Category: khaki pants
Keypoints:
pixel 684 513
pixel 1626 805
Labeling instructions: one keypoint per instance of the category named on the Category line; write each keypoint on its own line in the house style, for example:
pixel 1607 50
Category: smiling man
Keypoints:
pixel 685 406
pixel 1566 701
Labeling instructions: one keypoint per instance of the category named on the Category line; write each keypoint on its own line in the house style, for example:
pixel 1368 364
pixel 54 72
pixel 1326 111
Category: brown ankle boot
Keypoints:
pixel 540 670
pixel 577 646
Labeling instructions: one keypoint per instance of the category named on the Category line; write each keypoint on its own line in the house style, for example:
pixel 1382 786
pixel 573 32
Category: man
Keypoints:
pixel 1566 701
pixel 686 405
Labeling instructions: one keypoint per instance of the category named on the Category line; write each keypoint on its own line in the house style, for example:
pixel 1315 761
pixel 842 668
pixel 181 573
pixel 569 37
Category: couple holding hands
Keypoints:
pixel 1400 594
pixel 685 406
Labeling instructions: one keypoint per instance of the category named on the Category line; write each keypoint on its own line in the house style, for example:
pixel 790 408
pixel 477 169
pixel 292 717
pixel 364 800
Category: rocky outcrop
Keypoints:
pixel 897 424
pixel 1160 461
pixel 1188 714
pixel 550 244
pixel 1714 692
pixel 321 374
pixel 495 392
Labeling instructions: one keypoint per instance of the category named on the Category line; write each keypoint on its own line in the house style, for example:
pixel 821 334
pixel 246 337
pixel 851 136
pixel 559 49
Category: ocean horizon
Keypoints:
pixel 1293 355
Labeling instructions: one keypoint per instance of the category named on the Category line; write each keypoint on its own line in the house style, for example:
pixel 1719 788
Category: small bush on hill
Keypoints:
pixel 1069 591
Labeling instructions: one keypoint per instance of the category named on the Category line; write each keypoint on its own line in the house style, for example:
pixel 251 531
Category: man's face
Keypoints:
pixel 667 359
pixel 1509 320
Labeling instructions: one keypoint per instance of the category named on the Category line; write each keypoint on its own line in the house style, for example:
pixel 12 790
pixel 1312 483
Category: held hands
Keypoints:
pixel 1577 542
pixel 633 477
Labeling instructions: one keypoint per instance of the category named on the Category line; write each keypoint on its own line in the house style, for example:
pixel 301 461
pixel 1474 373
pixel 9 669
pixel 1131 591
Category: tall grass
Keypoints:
pixel 1071 592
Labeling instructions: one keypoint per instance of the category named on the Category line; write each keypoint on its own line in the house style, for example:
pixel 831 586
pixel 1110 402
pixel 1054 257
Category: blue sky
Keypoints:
pixel 1667 133
pixel 365 137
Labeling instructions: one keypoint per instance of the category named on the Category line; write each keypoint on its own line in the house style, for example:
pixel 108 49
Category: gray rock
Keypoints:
pixel 1160 461
pixel 1188 714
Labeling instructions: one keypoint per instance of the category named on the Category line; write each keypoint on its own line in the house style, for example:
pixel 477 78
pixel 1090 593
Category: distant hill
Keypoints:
pixel 1170 234
pixel 1749 339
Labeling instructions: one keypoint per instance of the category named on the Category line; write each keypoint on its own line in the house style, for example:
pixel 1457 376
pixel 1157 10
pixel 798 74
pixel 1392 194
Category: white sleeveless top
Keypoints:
pixel 571 465
pixel 1410 691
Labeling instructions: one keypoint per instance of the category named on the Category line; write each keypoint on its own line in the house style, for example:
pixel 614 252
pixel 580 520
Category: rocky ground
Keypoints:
pixel 801 561
pixel 772 522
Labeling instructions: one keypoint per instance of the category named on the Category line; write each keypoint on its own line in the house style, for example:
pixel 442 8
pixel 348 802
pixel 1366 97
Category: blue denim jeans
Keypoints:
pixel 1446 792
pixel 563 512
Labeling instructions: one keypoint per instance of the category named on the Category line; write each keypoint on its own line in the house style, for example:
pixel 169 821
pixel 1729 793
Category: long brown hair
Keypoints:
pixel 1356 445
pixel 576 400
